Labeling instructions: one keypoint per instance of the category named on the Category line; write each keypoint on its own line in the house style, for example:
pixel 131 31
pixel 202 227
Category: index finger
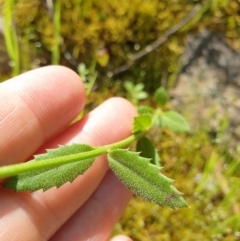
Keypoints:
pixel 34 107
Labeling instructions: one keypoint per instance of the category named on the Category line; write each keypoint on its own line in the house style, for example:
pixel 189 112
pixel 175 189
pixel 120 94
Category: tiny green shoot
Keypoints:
pixel 135 93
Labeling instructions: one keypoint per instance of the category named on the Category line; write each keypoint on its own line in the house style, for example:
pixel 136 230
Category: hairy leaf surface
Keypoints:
pixel 141 123
pixel 174 121
pixel 57 176
pixel 144 179
pixel 161 96
pixel 145 110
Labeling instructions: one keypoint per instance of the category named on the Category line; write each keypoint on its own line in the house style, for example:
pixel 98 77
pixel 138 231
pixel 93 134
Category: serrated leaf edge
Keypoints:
pixel 168 180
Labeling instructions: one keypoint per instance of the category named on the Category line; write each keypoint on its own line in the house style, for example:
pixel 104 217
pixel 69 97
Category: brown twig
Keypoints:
pixel 149 48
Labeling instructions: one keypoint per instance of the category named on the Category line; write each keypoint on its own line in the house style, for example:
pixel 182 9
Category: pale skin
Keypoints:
pixel 35 109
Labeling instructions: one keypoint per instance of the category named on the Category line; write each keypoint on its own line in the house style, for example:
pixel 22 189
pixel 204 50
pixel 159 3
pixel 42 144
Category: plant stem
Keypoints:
pixel 57 33
pixel 15 169
pixel 10 36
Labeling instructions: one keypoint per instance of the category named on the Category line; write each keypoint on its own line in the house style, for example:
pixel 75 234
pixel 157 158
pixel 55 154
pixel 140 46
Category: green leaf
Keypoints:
pixel 141 123
pixel 145 110
pixel 128 85
pixel 83 72
pixel 50 177
pixel 141 95
pixel 161 96
pixel 139 87
pixel 147 150
pixel 174 121
pixel 144 179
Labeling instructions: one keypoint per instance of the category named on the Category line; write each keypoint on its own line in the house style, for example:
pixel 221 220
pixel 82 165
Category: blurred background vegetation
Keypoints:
pixel 129 49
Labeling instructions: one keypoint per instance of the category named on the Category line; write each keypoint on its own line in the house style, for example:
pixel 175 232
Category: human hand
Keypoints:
pixel 34 108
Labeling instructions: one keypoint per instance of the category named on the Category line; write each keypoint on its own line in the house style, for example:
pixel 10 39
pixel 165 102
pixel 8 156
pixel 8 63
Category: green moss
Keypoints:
pixel 87 26
pixel 197 165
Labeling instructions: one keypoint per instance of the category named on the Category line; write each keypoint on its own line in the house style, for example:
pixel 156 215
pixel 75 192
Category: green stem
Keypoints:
pixel 15 169
pixel 10 36
pixel 57 32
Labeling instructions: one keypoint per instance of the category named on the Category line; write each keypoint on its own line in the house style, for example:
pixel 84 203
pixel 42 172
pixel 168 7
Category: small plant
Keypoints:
pixel 135 92
pixel 88 75
pixel 139 171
